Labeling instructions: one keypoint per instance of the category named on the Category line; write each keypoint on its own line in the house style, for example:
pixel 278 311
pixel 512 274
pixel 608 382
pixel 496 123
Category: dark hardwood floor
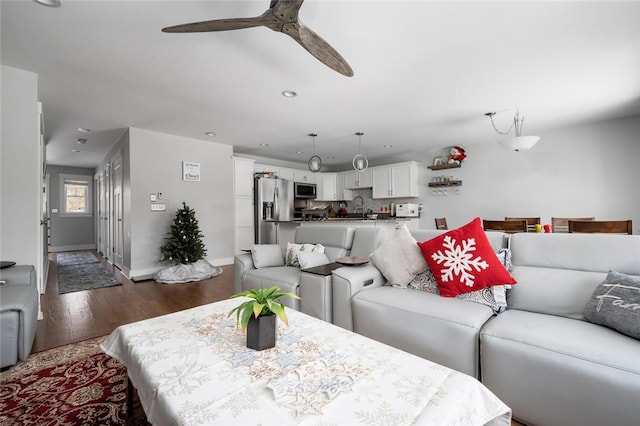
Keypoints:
pixel 81 315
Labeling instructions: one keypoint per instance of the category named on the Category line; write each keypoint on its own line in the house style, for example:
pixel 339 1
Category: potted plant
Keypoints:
pixel 258 316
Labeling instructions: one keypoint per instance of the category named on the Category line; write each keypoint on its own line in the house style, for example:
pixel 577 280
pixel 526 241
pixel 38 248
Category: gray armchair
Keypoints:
pixel 18 313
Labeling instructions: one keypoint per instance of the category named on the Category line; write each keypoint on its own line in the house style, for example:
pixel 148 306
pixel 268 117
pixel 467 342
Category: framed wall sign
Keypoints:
pixel 190 171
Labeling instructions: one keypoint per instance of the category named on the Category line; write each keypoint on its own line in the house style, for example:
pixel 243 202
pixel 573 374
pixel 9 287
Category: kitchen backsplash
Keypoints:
pixel 368 202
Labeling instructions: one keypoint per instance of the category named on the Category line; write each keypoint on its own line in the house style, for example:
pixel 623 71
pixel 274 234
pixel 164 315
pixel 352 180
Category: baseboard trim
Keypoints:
pixel 72 248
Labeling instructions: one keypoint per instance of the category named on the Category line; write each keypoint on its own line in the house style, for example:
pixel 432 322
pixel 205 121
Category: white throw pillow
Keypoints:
pixel 265 255
pixel 399 258
pixel 309 259
pixel 291 258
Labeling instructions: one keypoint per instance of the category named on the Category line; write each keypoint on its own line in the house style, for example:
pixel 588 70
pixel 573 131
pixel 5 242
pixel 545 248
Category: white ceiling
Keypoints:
pixel 425 73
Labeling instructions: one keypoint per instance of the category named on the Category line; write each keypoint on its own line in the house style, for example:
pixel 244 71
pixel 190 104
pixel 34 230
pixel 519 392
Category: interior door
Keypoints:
pixel 43 240
pixel 117 234
pixel 102 213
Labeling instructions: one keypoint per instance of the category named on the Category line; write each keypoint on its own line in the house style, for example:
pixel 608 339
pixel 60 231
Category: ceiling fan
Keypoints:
pixel 282 16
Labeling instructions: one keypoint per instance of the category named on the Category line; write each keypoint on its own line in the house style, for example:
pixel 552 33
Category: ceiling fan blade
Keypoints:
pixel 217 25
pixel 318 47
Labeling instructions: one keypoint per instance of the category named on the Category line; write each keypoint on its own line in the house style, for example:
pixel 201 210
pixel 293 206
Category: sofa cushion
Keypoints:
pixel 266 255
pixel 493 296
pixel 285 277
pixel 443 330
pixel 545 366
pixel 462 260
pixel 336 239
pixel 291 256
pixel 399 258
pixel 616 304
pixel 307 259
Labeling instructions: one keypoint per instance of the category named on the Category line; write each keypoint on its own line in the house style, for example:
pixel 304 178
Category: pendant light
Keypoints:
pixel 360 162
pixel 518 142
pixel 314 163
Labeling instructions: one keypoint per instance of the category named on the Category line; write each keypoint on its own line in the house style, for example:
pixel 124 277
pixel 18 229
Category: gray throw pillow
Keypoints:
pixel 615 303
pixel 265 255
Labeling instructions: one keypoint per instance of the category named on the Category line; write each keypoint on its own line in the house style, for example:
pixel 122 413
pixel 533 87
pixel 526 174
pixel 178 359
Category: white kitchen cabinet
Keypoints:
pixel 326 187
pixel 304 176
pixel 357 180
pixel 281 172
pixel 396 181
pixel 341 192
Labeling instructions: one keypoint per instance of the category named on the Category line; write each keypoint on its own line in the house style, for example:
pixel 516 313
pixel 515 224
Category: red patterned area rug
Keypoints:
pixel 75 384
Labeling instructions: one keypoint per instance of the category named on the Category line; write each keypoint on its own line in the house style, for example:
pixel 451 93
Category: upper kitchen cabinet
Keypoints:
pixel 281 172
pixel 357 180
pixel 396 180
pixel 326 186
pixel 304 176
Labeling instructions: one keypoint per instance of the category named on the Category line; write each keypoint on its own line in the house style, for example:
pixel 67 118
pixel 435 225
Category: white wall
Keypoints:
pixel 156 166
pixel 19 168
pixel 589 170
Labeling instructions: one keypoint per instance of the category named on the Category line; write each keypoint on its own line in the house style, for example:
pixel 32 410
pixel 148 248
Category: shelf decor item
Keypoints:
pixel 258 316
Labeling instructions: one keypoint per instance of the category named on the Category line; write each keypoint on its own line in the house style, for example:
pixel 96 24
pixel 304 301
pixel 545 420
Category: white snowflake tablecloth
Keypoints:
pixel 193 368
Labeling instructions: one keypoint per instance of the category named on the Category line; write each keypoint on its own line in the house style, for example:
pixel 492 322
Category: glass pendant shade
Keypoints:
pixel 360 162
pixel 519 143
pixel 314 163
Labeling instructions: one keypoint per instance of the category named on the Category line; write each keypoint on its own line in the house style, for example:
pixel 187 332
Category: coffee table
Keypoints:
pixel 193 367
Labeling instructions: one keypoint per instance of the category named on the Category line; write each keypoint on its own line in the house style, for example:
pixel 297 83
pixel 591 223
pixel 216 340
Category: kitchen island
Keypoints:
pixel 393 222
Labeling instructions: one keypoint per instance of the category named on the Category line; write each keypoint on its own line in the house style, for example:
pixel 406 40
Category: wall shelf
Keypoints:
pixel 445 184
pixel 445 166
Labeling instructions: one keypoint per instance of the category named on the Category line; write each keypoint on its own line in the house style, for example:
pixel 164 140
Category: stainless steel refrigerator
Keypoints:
pixel 273 204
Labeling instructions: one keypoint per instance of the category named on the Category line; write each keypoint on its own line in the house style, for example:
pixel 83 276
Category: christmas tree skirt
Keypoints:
pixel 183 273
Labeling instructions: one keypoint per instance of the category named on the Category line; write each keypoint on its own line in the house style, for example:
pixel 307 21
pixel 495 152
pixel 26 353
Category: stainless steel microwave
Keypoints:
pixel 304 190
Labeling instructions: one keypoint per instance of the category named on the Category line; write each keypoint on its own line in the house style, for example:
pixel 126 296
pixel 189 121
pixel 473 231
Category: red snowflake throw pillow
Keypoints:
pixel 462 260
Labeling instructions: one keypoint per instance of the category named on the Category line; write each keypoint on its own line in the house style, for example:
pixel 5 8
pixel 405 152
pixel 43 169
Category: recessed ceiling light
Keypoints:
pixel 212 134
pixel 76 150
pixel 50 3
pixel 388 146
pixel 289 94
pixel 299 152
pixel 83 130
pixel 81 141
pixel 264 144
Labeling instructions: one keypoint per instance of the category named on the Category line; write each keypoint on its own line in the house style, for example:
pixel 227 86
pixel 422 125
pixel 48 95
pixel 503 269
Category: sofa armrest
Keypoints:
pixel 242 263
pixel 347 281
pixel 20 274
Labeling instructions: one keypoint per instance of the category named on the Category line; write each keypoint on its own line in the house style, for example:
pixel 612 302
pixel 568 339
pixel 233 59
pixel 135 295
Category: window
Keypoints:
pixel 75 195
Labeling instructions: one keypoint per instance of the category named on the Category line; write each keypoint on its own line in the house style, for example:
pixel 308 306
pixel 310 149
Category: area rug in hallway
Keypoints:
pixel 67 258
pixel 84 276
pixel 75 384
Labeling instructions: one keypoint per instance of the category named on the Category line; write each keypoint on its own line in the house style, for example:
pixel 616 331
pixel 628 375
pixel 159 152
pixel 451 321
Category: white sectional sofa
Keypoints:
pixel 541 356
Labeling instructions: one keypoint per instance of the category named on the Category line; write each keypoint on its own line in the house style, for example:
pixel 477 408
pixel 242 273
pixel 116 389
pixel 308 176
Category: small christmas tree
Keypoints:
pixel 184 242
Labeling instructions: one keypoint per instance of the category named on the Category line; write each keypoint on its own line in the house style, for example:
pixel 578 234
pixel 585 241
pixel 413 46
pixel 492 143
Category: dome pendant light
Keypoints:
pixel 360 162
pixel 518 142
pixel 314 163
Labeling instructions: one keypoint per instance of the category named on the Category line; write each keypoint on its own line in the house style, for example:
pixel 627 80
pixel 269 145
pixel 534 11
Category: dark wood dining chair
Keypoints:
pixel 508 226
pixel 441 223
pixel 601 226
pixel 531 222
pixel 561 224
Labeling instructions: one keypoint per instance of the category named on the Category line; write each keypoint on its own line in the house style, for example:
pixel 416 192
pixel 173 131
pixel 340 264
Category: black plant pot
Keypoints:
pixel 261 332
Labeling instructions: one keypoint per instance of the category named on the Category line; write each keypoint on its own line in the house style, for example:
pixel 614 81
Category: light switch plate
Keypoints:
pixel 154 198
pixel 158 207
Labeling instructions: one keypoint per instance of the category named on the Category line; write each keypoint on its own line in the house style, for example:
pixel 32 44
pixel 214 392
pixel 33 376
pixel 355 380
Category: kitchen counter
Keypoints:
pixel 412 223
